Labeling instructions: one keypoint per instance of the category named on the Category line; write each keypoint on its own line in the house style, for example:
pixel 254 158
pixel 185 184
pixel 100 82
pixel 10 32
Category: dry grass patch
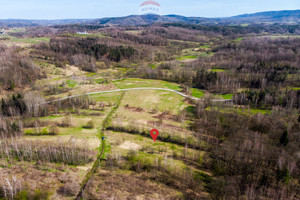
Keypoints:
pixel 71 70
pixel 117 185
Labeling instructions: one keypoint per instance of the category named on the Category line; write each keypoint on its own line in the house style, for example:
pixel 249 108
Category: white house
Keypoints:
pixel 83 33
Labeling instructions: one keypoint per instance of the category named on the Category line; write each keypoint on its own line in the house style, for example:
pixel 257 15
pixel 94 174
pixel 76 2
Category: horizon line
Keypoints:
pixel 142 15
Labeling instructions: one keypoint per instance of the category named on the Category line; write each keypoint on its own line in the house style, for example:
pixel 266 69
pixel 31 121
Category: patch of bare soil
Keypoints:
pixel 134 109
pixel 166 117
pixel 121 186
pixel 168 126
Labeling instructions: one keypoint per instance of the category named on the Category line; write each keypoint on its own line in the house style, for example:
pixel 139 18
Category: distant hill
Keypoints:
pixel 134 20
pixel 28 22
pixel 283 17
pixel 289 16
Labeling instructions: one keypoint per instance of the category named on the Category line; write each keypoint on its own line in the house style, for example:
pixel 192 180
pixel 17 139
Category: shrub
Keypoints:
pixel 66 122
pixel 21 195
pixel 37 194
pixel 69 189
pixel 29 132
pixel 89 125
pixel 44 131
pixel 54 130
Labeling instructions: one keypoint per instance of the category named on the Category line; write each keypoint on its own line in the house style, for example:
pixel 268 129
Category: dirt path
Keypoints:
pixel 101 153
pixel 122 90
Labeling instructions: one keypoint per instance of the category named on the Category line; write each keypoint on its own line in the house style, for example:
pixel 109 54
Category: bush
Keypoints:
pixel 29 132
pixel 69 189
pixel 89 125
pixel 45 131
pixel 37 194
pixel 21 195
pixel 66 122
pixel 54 130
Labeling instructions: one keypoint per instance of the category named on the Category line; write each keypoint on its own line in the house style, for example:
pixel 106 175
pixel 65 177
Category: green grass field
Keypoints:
pixel 205 46
pixel 217 70
pixel 181 58
pixel 224 96
pixel 242 111
pixel 197 93
pixel 238 39
pixel 71 83
pixel 296 88
pixel 138 83
pixel 30 40
pixel 152 99
pixel 106 97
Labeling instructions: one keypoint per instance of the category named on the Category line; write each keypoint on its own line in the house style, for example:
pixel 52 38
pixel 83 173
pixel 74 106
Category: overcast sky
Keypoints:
pixel 63 9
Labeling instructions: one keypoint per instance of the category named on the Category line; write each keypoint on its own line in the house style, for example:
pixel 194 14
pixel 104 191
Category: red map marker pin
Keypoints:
pixel 154 134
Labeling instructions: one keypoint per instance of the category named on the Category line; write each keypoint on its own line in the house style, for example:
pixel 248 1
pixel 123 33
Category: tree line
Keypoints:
pixel 256 155
pixel 83 51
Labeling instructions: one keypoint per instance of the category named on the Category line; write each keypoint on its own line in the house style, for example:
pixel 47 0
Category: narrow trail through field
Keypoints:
pixel 101 153
pixel 146 88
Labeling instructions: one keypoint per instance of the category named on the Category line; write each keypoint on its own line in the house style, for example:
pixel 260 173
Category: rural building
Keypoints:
pixel 83 33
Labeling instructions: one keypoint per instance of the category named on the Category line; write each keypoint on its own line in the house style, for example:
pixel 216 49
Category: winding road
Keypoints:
pixel 130 89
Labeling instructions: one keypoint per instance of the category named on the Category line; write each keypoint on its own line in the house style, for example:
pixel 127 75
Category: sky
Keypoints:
pixel 91 9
